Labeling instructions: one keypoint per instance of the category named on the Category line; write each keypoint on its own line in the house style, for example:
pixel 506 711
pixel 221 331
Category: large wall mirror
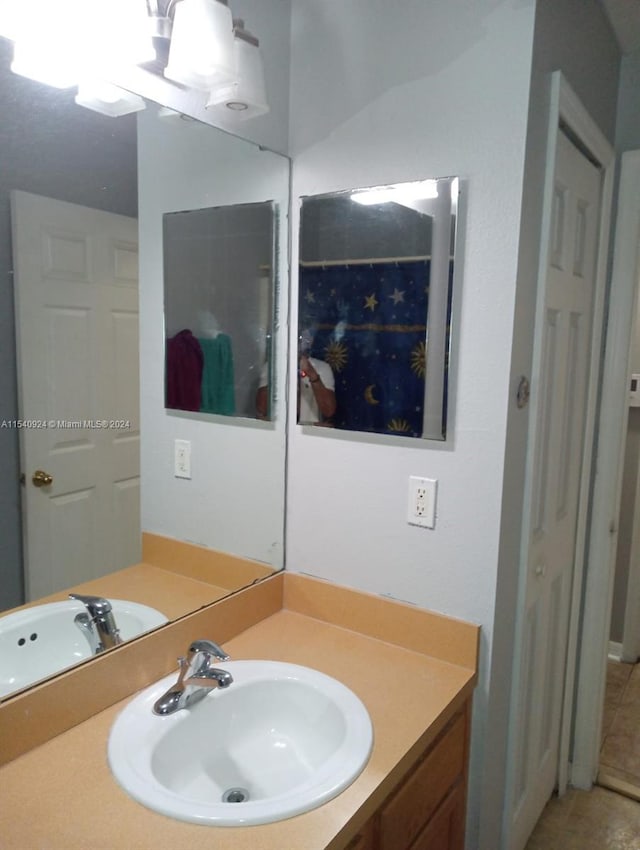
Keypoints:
pixel 81 249
pixel 375 290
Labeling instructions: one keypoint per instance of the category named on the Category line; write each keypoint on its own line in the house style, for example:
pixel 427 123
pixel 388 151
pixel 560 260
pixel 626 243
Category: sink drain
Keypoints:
pixel 235 795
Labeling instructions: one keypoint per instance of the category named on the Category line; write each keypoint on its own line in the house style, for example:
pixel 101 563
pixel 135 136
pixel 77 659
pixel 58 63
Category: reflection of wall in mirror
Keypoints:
pixel 336 228
pixel 213 276
pixel 50 147
pixel 229 455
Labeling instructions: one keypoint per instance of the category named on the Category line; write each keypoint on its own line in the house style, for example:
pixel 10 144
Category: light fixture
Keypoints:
pixel 44 43
pixel 245 97
pixel 120 36
pixel 195 43
pixel 108 99
pixel 201 52
pixel 58 43
pixel 421 190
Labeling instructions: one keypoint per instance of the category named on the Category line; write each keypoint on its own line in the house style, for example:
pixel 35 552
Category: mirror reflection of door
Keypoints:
pixel 54 148
pixel 76 296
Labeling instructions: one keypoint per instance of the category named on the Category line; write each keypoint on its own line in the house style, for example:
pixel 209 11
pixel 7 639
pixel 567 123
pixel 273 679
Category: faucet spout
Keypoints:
pixel 196 677
pixel 84 622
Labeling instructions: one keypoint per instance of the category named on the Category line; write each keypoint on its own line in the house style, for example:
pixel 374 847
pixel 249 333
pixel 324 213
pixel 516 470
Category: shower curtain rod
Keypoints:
pixel 372 261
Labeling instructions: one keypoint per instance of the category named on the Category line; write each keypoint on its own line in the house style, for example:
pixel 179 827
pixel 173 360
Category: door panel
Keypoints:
pixel 76 293
pixel 555 486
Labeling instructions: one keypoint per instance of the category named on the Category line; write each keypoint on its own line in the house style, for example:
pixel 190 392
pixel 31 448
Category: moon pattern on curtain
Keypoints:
pixel 368 322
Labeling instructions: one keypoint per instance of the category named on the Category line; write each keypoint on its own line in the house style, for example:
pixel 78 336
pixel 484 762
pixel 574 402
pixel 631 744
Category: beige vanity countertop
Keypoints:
pixel 61 795
pixel 174 577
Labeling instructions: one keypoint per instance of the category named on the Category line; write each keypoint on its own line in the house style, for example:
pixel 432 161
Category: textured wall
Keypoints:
pixel 417 90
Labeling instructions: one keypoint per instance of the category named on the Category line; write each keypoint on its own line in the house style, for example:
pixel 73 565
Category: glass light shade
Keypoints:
pixel 44 42
pixel 57 43
pixel 108 99
pixel 201 52
pixel 245 97
pixel 21 18
pixel 39 62
pixel 118 34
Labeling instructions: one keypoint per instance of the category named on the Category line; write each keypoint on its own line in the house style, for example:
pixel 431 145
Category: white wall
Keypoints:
pixel 235 499
pixel 440 90
pixel 628 117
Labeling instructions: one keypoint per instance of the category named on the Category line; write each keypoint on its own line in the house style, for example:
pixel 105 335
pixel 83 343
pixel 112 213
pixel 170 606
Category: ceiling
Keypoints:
pixel 625 19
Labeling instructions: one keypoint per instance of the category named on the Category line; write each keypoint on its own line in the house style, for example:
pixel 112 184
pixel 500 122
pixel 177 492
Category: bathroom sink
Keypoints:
pixel 280 740
pixel 40 641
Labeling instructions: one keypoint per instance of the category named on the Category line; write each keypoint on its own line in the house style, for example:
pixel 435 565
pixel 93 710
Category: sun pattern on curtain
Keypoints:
pixel 368 321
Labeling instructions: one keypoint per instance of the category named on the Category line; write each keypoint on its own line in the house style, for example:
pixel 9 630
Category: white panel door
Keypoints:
pixel 555 485
pixel 76 296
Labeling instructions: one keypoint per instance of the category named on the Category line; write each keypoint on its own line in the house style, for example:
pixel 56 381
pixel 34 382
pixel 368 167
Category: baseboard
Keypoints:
pixel 615 651
pixel 620 786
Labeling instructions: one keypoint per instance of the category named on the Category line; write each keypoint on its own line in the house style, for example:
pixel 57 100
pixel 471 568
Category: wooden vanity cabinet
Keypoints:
pixel 364 840
pixel 427 810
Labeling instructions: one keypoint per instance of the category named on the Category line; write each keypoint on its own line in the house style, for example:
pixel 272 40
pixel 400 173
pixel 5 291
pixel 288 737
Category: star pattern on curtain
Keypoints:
pixel 369 322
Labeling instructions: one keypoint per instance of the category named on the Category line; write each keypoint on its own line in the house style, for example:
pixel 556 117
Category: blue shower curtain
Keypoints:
pixel 369 323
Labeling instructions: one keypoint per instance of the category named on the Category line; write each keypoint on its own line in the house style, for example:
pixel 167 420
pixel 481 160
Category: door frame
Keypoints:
pixel 607 487
pixel 566 112
pixel 630 651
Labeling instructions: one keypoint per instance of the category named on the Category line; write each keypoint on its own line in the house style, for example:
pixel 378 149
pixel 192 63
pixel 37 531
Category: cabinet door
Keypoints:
pixel 413 804
pixel 364 839
pixel 445 830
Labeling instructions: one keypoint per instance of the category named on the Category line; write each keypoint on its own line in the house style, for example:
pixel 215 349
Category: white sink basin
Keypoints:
pixel 40 641
pixel 280 740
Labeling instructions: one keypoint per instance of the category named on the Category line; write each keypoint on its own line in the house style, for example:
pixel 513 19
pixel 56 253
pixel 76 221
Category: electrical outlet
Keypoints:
pixel 421 509
pixel 182 459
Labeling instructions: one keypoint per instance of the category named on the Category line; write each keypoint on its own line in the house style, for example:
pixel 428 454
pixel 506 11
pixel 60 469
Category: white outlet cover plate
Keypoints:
pixel 421 507
pixel 182 459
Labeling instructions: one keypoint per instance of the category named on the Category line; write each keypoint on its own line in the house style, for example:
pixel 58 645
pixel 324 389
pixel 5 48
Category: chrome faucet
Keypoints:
pixel 196 677
pixel 97 623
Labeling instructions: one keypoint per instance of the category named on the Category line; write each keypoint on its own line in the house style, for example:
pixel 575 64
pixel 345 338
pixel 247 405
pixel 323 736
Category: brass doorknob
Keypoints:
pixel 41 478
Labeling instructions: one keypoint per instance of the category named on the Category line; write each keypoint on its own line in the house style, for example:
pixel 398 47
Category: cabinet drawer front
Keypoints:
pixel 445 831
pixel 402 818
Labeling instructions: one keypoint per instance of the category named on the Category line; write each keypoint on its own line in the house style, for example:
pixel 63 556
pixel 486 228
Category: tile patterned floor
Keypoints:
pixel 601 819
pixel 620 753
pixel 588 820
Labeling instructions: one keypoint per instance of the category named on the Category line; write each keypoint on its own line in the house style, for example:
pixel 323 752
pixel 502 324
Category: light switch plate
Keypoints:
pixel 634 391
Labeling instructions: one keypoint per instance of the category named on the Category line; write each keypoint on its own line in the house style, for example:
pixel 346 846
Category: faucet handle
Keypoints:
pixel 97 606
pixel 210 648
pixel 183 669
pixel 101 612
pixel 196 676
